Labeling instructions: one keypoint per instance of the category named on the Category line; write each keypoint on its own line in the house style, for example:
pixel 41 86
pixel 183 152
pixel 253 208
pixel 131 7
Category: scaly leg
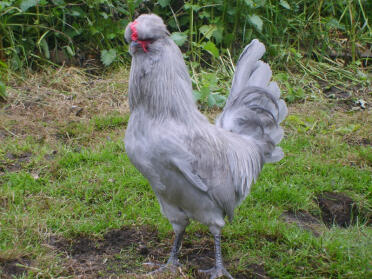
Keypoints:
pixel 172 263
pixel 173 258
pixel 218 270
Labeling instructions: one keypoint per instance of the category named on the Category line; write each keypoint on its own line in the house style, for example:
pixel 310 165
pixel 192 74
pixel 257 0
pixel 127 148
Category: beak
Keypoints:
pixel 134 44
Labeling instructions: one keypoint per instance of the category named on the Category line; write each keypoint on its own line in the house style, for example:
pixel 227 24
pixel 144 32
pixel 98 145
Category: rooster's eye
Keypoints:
pixel 143 43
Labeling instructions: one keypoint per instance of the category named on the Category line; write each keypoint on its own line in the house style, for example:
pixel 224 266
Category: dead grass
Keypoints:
pixel 42 103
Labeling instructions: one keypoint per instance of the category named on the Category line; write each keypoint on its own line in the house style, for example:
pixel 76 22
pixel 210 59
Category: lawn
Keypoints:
pixel 73 206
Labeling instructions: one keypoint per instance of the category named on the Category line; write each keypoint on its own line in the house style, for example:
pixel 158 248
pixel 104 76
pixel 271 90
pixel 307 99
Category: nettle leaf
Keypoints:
pixel 58 2
pixel 104 15
pixel 179 38
pixel 204 14
pixel 256 21
pixel 334 23
pixel 218 34
pixel 108 56
pixel 249 3
pixel 197 95
pixel 211 100
pixel 111 36
pixel 285 4
pixel 255 3
pixel 204 92
pixel 194 7
pixel 207 30
pixel 26 4
pixel 220 100
pixel 77 11
pixel 211 80
pixel 163 3
pixel 212 49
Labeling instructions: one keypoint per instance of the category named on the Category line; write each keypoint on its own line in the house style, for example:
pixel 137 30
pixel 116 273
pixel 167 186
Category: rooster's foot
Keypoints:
pixel 216 272
pixel 171 266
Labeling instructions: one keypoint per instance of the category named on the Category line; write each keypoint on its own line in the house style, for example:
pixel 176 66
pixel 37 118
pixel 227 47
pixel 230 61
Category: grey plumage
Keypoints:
pixel 198 170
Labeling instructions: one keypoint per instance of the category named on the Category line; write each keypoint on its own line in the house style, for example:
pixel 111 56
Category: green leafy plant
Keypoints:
pixel 54 31
pixel 291 93
pixel 61 31
pixel 209 93
pixel 108 56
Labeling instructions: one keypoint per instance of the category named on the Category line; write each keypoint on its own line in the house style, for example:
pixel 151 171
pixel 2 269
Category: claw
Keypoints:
pixel 172 266
pixel 165 268
pixel 216 272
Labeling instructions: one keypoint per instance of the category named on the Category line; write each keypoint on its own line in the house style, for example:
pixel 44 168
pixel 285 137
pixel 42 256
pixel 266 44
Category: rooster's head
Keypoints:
pixel 145 31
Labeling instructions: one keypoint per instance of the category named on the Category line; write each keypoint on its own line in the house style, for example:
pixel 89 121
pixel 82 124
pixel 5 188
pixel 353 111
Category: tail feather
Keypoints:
pixel 261 75
pixel 254 107
pixel 283 111
pixel 249 57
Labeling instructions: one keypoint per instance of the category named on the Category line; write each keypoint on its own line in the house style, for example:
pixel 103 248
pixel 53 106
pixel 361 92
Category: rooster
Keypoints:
pixel 198 170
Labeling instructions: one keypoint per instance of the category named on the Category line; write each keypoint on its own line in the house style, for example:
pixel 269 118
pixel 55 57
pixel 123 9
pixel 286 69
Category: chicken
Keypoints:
pixel 198 170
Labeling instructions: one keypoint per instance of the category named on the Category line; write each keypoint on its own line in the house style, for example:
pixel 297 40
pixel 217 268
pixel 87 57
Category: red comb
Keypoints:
pixel 134 36
pixel 133 28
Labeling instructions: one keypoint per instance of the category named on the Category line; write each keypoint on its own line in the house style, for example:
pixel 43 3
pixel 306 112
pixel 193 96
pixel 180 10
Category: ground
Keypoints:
pixel 72 205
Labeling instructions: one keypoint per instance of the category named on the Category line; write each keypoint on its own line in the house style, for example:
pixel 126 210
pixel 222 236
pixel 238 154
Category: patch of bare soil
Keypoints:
pixel 254 271
pixel 122 253
pixel 14 162
pixel 303 220
pixel 347 98
pixel 337 209
pixel 357 141
pixel 10 268
pixel 40 104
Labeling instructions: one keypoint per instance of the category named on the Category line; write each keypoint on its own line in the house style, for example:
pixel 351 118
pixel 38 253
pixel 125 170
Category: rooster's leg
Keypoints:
pixel 173 258
pixel 173 263
pixel 218 270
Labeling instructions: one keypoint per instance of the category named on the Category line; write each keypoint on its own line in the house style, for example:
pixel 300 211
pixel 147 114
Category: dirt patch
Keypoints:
pixel 349 139
pixel 337 209
pixel 203 258
pixel 254 271
pixel 347 98
pixel 23 157
pixel 11 268
pixel 303 220
pixel 122 253
pixel 119 251
pixel 3 134
pixel 337 93
pixel 14 162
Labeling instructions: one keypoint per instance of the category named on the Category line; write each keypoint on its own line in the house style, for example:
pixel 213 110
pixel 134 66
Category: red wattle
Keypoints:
pixel 134 36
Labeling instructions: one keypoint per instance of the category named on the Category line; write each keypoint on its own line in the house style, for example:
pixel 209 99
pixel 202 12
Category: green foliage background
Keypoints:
pixel 37 30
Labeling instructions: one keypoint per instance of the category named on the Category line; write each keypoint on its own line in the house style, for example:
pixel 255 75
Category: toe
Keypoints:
pixel 173 268
pixel 216 273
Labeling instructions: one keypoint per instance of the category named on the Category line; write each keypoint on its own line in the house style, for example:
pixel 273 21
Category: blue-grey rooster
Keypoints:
pixel 198 170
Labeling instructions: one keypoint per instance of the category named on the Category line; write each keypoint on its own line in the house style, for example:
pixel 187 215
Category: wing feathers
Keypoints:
pixel 185 168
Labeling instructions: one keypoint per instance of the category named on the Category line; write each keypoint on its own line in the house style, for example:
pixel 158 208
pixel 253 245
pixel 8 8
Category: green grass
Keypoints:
pixel 97 189
pixel 89 187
